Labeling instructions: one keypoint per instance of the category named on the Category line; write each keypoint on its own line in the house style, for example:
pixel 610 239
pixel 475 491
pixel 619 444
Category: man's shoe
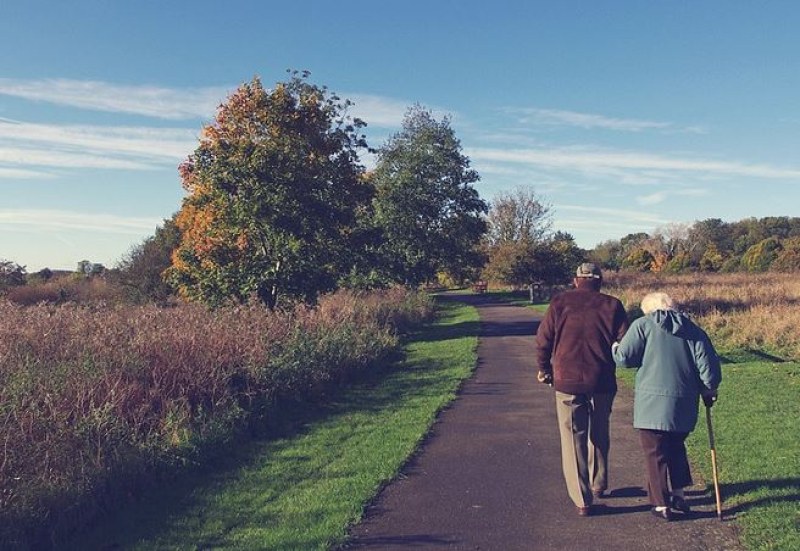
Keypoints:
pixel 679 504
pixel 584 511
pixel 664 514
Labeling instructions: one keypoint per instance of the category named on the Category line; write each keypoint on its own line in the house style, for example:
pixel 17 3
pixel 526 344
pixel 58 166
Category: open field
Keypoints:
pixel 759 313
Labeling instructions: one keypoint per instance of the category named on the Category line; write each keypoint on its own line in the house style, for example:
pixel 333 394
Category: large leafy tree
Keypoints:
pixel 521 247
pixel 559 255
pixel 788 259
pixel 522 262
pixel 607 254
pixel 712 259
pixel 518 215
pixel 759 257
pixel 429 213
pixel 273 191
pixel 141 271
pixel 639 259
pixel 510 262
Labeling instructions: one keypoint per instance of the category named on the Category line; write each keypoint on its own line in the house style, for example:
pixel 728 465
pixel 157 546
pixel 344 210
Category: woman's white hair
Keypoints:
pixel 657 301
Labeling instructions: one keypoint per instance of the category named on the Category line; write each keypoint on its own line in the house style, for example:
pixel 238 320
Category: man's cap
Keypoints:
pixel 589 269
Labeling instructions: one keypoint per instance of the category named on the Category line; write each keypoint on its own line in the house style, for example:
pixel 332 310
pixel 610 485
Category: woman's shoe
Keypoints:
pixel 679 504
pixel 664 514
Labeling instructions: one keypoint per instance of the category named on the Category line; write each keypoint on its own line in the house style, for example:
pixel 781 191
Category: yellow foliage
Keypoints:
pixel 659 262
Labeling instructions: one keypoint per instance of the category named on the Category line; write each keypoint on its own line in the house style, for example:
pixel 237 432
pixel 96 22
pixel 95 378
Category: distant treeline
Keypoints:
pixel 712 245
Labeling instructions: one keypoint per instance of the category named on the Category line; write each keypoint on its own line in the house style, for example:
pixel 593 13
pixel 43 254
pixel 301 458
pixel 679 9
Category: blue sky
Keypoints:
pixel 625 116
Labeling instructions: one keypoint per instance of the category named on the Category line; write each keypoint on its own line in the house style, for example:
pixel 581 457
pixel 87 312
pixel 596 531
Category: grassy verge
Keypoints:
pixel 757 434
pixel 303 491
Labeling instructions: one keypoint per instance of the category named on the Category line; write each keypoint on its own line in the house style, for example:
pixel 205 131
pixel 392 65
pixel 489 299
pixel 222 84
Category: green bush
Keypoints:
pixel 760 256
pixel 788 259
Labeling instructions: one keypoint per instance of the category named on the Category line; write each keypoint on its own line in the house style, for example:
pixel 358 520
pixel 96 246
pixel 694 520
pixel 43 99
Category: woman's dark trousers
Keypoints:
pixel 665 453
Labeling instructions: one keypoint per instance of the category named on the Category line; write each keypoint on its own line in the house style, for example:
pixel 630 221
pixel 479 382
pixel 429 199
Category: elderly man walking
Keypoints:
pixel 573 345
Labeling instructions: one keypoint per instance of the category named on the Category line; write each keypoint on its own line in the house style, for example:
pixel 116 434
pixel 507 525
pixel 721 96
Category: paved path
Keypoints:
pixel 489 477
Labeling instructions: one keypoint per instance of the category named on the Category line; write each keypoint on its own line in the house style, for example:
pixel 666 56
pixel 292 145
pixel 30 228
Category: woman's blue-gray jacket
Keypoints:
pixel 676 362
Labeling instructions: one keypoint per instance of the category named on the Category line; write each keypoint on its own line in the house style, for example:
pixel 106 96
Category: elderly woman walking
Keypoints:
pixel 677 364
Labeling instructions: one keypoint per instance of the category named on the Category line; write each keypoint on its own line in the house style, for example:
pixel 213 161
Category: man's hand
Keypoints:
pixel 546 378
pixel 709 397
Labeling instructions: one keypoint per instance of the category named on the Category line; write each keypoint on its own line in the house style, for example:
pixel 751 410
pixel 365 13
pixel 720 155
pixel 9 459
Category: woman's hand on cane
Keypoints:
pixel 709 397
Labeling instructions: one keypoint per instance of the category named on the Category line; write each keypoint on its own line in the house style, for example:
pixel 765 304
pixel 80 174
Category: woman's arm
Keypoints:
pixel 707 362
pixel 630 351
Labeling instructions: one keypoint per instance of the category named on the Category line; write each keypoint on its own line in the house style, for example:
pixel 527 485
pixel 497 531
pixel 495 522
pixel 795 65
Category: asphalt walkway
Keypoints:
pixel 489 475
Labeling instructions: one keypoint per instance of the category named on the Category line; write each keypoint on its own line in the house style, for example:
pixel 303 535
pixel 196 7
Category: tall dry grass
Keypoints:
pixel 759 311
pixel 94 398
pixel 67 288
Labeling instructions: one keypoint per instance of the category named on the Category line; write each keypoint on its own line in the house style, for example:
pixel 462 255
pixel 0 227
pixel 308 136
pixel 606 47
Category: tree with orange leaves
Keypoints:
pixel 273 190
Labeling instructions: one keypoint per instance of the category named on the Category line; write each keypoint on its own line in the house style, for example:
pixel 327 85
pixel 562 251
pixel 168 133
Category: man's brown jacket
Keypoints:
pixel 573 342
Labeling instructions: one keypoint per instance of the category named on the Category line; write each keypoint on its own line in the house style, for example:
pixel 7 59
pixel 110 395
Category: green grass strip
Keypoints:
pixel 302 492
pixel 756 426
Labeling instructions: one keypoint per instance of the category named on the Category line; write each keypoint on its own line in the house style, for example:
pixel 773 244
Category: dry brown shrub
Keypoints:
pixel 68 288
pixel 90 392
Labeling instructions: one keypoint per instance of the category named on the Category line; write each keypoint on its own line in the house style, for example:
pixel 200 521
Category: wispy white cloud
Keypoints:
pixel 46 219
pixel 177 103
pixel 509 136
pixel 386 112
pixel 145 141
pixel 63 159
pixel 59 236
pixel 661 196
pixel 693 192
pixel 24 144
pixel 82 146
pixel 379 111
pixel 558 117
pixel 623 216
pixel 601 161
pixel 500 169
pixel 652 199
pixel 22 174
pixel 151 101
pixel 166 103
pixel 590 225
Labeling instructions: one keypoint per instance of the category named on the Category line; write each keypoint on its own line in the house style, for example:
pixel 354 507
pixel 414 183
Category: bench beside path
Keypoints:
pixel 488 477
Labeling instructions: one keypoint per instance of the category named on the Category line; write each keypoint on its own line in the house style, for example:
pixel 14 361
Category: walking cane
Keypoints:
pixel 714 462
